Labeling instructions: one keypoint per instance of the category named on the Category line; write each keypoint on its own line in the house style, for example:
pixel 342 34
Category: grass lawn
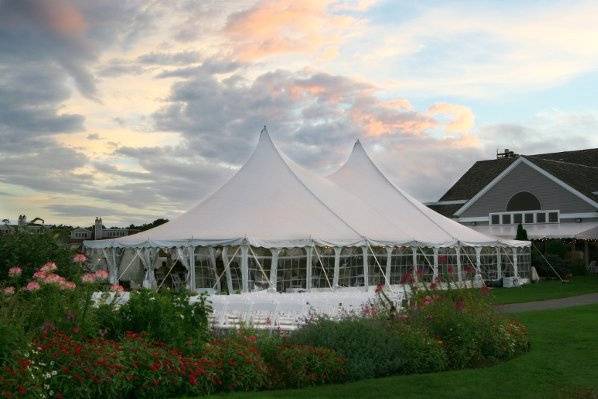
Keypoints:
pixel 563 363
pixel 546 290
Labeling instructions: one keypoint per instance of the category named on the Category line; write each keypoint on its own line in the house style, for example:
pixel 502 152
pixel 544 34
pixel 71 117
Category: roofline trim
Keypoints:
pixel 451 202
pixel 508 170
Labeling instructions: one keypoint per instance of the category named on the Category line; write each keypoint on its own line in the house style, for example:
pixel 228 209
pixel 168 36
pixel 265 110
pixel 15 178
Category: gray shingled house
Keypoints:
pixel 553 195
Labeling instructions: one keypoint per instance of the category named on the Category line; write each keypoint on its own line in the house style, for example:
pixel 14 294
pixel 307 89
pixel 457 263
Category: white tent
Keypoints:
pixel 281 226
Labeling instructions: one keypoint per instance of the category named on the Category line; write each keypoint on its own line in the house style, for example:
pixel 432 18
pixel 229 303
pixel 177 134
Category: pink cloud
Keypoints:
pixel 286 26
pixel 61 17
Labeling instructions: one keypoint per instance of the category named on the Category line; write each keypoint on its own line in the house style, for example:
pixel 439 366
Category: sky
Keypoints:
pixel 135 110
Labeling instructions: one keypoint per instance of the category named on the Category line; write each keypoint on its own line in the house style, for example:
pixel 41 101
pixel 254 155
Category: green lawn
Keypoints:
pixel 546 290
pixel 563 363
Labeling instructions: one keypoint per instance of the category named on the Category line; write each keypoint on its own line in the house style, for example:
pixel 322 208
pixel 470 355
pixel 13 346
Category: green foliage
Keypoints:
pixel 374 347
pixel 297 366
pixel 242 367
pixel 165 316
pixel 31 250
pixel 521 233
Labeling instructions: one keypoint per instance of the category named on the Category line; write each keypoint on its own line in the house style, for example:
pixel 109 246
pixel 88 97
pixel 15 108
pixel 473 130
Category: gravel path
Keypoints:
pixel 560 303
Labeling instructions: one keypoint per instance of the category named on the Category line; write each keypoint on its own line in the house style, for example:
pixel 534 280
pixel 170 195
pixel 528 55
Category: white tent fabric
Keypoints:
pixel 274 203
pixel 363 178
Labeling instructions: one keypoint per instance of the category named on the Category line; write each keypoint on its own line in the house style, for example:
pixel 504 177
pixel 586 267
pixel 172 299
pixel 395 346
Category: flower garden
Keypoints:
pixel 56 342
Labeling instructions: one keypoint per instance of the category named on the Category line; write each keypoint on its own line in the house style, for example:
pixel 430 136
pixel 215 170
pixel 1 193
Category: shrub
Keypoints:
pixel 374 347
pixel 58 365
pixel 29 251
pixel 471 331
pixel 166 316
pixel 297 366
pixel 241 366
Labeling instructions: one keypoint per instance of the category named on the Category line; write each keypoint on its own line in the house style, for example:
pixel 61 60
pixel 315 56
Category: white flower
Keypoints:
pixel 54 372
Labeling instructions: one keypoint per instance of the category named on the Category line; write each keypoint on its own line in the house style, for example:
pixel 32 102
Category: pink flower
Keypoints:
pixel 88 278
pixel 67 285
pixel 79 258
pixel 8 290
pixel 15 271
pixel 32 286
pixel 428 300
pixel 117 288
pixel 101 274
pixel 48 267
pixel 39 275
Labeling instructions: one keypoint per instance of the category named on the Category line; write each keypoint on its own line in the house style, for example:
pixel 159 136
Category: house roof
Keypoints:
pixel 578 169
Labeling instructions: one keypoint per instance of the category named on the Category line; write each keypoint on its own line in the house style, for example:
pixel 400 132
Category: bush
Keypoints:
pixel 297 366
pixel 165 316
pixel 60 366
pixel 374 347
pixel 471 331
pixel 241 366
pixel 29 251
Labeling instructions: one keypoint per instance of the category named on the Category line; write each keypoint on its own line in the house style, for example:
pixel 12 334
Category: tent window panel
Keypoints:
pixel 375 269
pixel 468 262
pixel 425 261
pixel 447 264
pixel 488 261
pixel 292 270
pixel 235 271
pixel 257 280
pixel 204 272
pixel 220 268
pixel 506 262
pixel 401 266
pixel 318 277
pixel 524 262
pixel 351 268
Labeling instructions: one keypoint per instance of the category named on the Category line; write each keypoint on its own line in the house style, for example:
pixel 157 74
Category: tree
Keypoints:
pixel 521 233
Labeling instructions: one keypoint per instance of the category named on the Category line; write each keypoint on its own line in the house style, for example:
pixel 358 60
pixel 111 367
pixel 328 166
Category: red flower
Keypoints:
pixel 22 390
pixel 485 290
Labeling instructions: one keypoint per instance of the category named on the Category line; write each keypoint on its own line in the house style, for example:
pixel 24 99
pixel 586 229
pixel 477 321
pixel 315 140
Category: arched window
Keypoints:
pixel 523 201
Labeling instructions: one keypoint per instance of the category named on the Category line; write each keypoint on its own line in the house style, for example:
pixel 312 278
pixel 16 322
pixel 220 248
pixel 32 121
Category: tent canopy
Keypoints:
pixel 272 202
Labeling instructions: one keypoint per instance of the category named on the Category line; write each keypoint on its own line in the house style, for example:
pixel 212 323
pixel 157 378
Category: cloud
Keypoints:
pixel 273 27
pixel 178 58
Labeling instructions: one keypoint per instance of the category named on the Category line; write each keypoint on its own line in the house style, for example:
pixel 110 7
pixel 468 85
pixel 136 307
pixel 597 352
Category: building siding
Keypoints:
pixel 525 178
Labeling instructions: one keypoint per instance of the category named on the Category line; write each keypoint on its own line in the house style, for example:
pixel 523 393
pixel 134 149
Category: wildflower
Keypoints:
pixel 79 258
pixel 8 290
pixel 15 271
pixel 101 274
pixel 88 278
pixel 117 288
pixel 428 300
pixel 32 286
pixel 48 267
pixel 379 288
pixel 485 290
pixel 67 285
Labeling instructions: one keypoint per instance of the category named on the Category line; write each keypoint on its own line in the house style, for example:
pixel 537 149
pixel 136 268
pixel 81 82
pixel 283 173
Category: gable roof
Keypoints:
pixel 577 169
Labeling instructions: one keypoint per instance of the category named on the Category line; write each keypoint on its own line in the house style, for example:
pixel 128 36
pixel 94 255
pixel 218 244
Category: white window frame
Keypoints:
pixel 523 213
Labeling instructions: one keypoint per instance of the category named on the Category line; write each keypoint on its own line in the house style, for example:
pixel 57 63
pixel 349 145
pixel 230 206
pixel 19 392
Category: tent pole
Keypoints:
pixel 498 264
pixel 308 267
pixel 435 267
pixel 274 269
pixel 515 270
pixel 366 280
pixel 414 260
pixel 337 264
pixel 478 262
pixel 459 267
pixel 388 265
pixel 212 263
pixel 245 268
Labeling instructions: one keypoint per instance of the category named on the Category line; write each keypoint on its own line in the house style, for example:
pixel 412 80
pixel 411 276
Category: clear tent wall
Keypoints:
pixel 244 268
